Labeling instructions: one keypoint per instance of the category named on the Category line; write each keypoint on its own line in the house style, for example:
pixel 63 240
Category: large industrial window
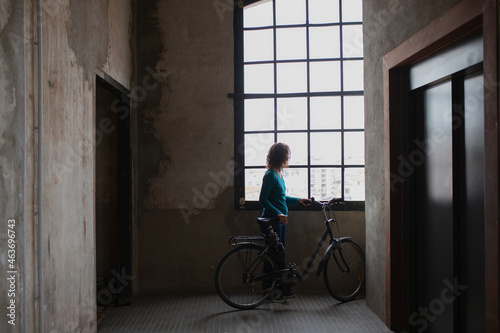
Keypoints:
pixel 299 80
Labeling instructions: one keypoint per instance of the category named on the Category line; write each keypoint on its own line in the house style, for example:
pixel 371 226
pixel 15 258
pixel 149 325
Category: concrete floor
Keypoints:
pixel 208 313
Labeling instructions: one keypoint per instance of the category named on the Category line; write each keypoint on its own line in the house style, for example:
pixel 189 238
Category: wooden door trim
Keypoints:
pixel 466 17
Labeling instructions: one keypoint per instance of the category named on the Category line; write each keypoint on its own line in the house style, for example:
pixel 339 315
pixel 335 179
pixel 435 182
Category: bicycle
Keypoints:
pixel 243 283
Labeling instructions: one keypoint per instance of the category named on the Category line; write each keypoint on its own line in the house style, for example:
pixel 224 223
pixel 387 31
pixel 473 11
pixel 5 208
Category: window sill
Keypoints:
pixel 349 206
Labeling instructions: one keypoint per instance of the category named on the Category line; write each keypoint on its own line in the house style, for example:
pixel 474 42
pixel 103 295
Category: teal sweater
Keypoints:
pixel 273 196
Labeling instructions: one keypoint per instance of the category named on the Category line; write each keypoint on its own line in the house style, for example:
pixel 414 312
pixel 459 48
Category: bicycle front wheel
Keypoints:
pixel 344 272
pixel 240 278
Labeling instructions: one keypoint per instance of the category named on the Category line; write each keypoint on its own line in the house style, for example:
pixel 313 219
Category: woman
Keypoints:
pixel 273 197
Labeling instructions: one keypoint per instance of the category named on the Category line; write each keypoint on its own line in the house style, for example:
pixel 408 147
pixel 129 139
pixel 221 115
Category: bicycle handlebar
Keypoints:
pixel 332 202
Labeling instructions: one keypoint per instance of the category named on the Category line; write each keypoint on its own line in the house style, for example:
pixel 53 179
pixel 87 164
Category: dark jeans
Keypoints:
pixel 280 229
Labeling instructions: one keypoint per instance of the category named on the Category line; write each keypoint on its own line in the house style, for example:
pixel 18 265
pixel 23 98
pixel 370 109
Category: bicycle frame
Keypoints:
pixel 328 233
pixel 334 244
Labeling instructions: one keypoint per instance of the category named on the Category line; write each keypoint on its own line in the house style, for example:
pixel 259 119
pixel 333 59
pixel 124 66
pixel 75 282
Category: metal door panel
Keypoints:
pixel 471 243
pixel 434 214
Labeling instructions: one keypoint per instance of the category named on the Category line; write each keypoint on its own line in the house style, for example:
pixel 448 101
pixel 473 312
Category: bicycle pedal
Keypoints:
pixel 292 265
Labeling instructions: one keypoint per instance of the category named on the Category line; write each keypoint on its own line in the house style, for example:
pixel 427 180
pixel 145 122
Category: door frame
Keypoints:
pixel 466 17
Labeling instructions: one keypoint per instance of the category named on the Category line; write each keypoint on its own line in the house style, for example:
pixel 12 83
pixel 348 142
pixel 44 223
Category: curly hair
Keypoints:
pixel 278 156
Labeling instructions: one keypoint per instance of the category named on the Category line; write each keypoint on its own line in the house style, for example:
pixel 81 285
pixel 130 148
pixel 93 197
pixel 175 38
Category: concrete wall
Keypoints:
pixel 185 198
pixel 12 150
pixel 386 25
pixel 79 41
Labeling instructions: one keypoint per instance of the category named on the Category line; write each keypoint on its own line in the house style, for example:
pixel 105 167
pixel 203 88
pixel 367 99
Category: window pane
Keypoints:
pixel 259 114
pixel 253 183
pixel 256 148
pixel 325 76
pixel 324 42
pixel 259 78
pixel 323 11
pixel 352 10
pixel 353 41
pixel 258 45
pixel 325 133
pixel 354 148
pixel 258 15
pixel 292 113
pixel 354 184
pixel 325 149
pixel 290 12
pixel 292 77
pixel 295 182
pixel 353 75
pixel 354 112
pixel 298 147
pixel 325 113
pixel 326 183
pixel 291 43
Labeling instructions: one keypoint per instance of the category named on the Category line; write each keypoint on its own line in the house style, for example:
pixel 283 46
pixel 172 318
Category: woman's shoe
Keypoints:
pixel 277 296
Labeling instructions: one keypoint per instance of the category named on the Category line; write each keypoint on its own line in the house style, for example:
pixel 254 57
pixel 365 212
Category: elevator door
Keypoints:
pixel 446 283
pixel 434 225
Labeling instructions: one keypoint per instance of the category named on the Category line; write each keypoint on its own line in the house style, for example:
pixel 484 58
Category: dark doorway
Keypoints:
pixel 113 197
pixel 446 285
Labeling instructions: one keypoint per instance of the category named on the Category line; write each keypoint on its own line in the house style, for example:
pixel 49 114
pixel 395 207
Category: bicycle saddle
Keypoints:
pixel 268 220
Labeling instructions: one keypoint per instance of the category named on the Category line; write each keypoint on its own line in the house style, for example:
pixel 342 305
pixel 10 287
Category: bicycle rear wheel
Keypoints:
pixel 345 282
pixel 239 278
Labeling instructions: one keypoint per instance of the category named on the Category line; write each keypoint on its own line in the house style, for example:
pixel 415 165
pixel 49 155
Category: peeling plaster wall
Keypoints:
pixel 185 152
pixel 118 62
pixel 193 121
pixel 79 41
pixel 386 25
pixel 76 46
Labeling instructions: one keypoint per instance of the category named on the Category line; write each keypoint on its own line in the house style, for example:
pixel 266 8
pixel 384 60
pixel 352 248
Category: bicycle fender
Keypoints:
pixel 327 254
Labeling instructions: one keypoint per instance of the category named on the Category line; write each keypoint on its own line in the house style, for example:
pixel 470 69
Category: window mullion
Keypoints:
pixel 239 108
pixel 275 74
pixel 341 50
pixel 308 73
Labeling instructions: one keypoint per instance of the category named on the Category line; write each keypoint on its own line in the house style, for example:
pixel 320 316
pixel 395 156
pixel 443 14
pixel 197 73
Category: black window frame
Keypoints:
pixel 239 97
